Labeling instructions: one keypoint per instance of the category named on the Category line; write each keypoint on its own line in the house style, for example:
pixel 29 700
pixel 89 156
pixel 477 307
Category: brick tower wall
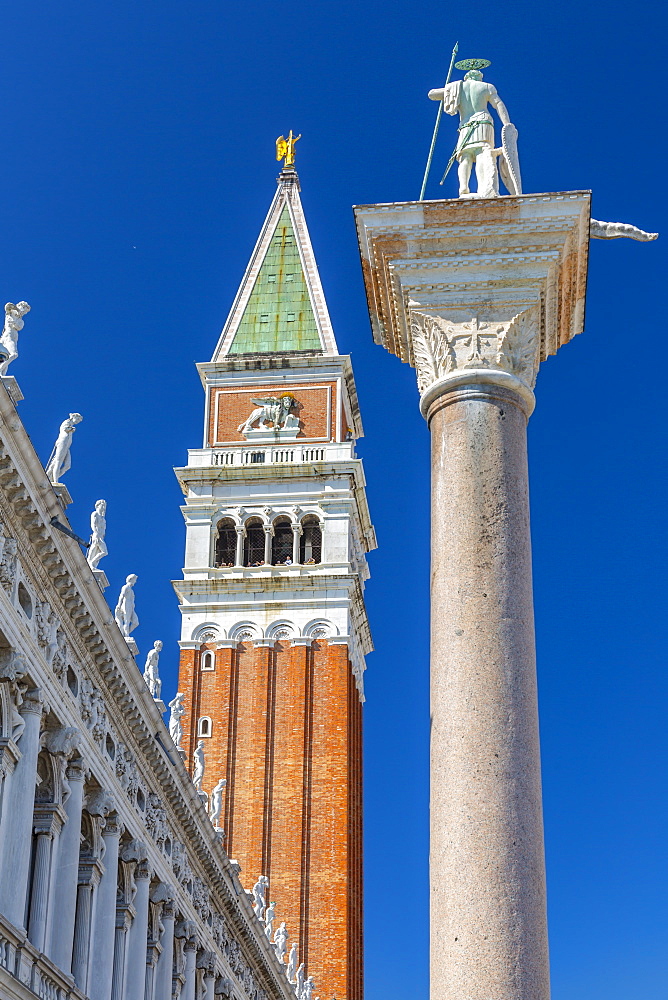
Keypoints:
pixel 287 732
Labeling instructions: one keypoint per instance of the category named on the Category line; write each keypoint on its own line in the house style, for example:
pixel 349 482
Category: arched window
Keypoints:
pixel 281 543
pixel 204 726
pixel 226 543
pixel 310 543
pixel 254 542
pixel 208 660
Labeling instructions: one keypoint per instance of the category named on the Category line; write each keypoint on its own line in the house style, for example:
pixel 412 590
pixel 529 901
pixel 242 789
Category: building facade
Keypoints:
pixel 274 628
pixel 115 884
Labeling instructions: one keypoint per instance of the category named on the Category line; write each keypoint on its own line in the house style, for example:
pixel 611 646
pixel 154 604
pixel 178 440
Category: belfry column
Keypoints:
pixel 475 294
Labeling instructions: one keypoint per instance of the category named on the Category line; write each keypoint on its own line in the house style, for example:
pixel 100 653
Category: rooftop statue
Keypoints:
pixel 9 340
pixel 98 527
pixel 470 99
pixel 151 674
pixel 60 460
pixel 124 613
pixel 285 149
pixel 177 711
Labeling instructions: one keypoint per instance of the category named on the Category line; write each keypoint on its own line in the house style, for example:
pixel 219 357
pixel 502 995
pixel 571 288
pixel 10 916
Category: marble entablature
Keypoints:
pixel 130 893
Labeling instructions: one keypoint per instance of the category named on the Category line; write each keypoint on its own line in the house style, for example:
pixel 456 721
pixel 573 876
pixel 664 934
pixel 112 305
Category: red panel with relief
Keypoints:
pixel 310 407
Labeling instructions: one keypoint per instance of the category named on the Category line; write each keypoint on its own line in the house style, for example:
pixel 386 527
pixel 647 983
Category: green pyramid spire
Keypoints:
pixel 279 315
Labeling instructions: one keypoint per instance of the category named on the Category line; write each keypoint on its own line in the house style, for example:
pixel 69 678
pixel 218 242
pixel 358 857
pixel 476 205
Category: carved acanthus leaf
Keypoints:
pixel 518 347
pixel 432 349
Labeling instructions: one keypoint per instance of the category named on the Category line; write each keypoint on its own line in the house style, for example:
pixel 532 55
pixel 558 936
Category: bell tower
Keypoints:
pixel 274 627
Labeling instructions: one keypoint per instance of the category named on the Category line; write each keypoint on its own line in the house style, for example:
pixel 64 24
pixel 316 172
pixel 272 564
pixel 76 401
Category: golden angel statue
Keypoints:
pixel 285 148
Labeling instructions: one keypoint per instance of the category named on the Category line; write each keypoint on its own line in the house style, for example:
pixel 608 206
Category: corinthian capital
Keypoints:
pixel 442 347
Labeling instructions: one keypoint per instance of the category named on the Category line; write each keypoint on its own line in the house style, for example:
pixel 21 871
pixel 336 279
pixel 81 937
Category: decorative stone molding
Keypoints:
pixel 518 267
pixel 441 347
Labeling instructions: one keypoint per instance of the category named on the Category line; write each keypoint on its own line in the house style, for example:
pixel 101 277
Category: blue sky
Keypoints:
pixel 137 168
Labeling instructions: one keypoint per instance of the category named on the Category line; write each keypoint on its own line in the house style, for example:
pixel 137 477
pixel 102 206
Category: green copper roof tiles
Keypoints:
pixel 278 316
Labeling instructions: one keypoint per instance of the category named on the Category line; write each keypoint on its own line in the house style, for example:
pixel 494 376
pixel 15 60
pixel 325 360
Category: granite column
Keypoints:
pixel 488 899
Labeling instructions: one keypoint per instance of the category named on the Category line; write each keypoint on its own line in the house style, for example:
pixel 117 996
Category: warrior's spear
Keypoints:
pixel 438 122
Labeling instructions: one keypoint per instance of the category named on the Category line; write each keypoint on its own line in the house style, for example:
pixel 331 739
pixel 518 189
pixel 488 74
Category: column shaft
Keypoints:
pixel 18 809
pixel 118 976
pixel 103 934
pixel 190 972
pixel 66 875
pixel 82 937
pixel 39 898
pixel 267 546
pixel 240 547
pixel 295 543
pixel 488 906
pixel 138 938
pixel 163 972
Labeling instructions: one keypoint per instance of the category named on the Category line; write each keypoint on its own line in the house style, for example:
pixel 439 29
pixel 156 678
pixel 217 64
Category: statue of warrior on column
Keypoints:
pixel 470 98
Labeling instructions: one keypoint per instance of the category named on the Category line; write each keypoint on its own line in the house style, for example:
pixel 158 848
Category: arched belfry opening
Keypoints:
pixel 254 542
pixel 226 543
pixel 281 543
pixel 310 543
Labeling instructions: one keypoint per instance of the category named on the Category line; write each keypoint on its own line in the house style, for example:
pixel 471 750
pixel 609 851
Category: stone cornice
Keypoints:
pixel 466 285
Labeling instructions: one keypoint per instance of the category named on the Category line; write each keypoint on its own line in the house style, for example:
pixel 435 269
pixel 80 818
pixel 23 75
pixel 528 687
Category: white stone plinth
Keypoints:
pixel 132 645
pixel 100 578
pixel 258 435
pixel 12 387
pixel 63 494
pixel 160 705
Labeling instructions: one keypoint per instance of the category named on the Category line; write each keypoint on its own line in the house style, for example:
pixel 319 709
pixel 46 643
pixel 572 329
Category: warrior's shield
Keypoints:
pixel 509 162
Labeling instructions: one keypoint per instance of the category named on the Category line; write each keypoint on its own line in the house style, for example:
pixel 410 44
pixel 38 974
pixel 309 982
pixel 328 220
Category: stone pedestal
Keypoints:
pixel 100 578
pixel 475 295
pixel 12 387
pixel 132 645
pixel 63 494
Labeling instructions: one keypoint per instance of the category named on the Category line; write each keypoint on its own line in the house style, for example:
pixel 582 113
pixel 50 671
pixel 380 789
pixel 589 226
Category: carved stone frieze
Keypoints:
pixel 441 347
pixel 93 711
pixel 13 668
pixel 8 563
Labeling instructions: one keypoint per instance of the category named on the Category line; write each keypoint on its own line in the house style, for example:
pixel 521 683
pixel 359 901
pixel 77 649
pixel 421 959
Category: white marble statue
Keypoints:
pixel 9 339
pixel 275 409
pixel 124 613
pixel 470 98
pixel 259 899
pixel 281 941
pixel 60 460
pixel 177 711
pixel 198 766
pixel 98 529
pixel 613 230
pixel 269 917
pixel 217 803
pixel 151 675
pixel 307 991
pixel 299 981
pixel 292 963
